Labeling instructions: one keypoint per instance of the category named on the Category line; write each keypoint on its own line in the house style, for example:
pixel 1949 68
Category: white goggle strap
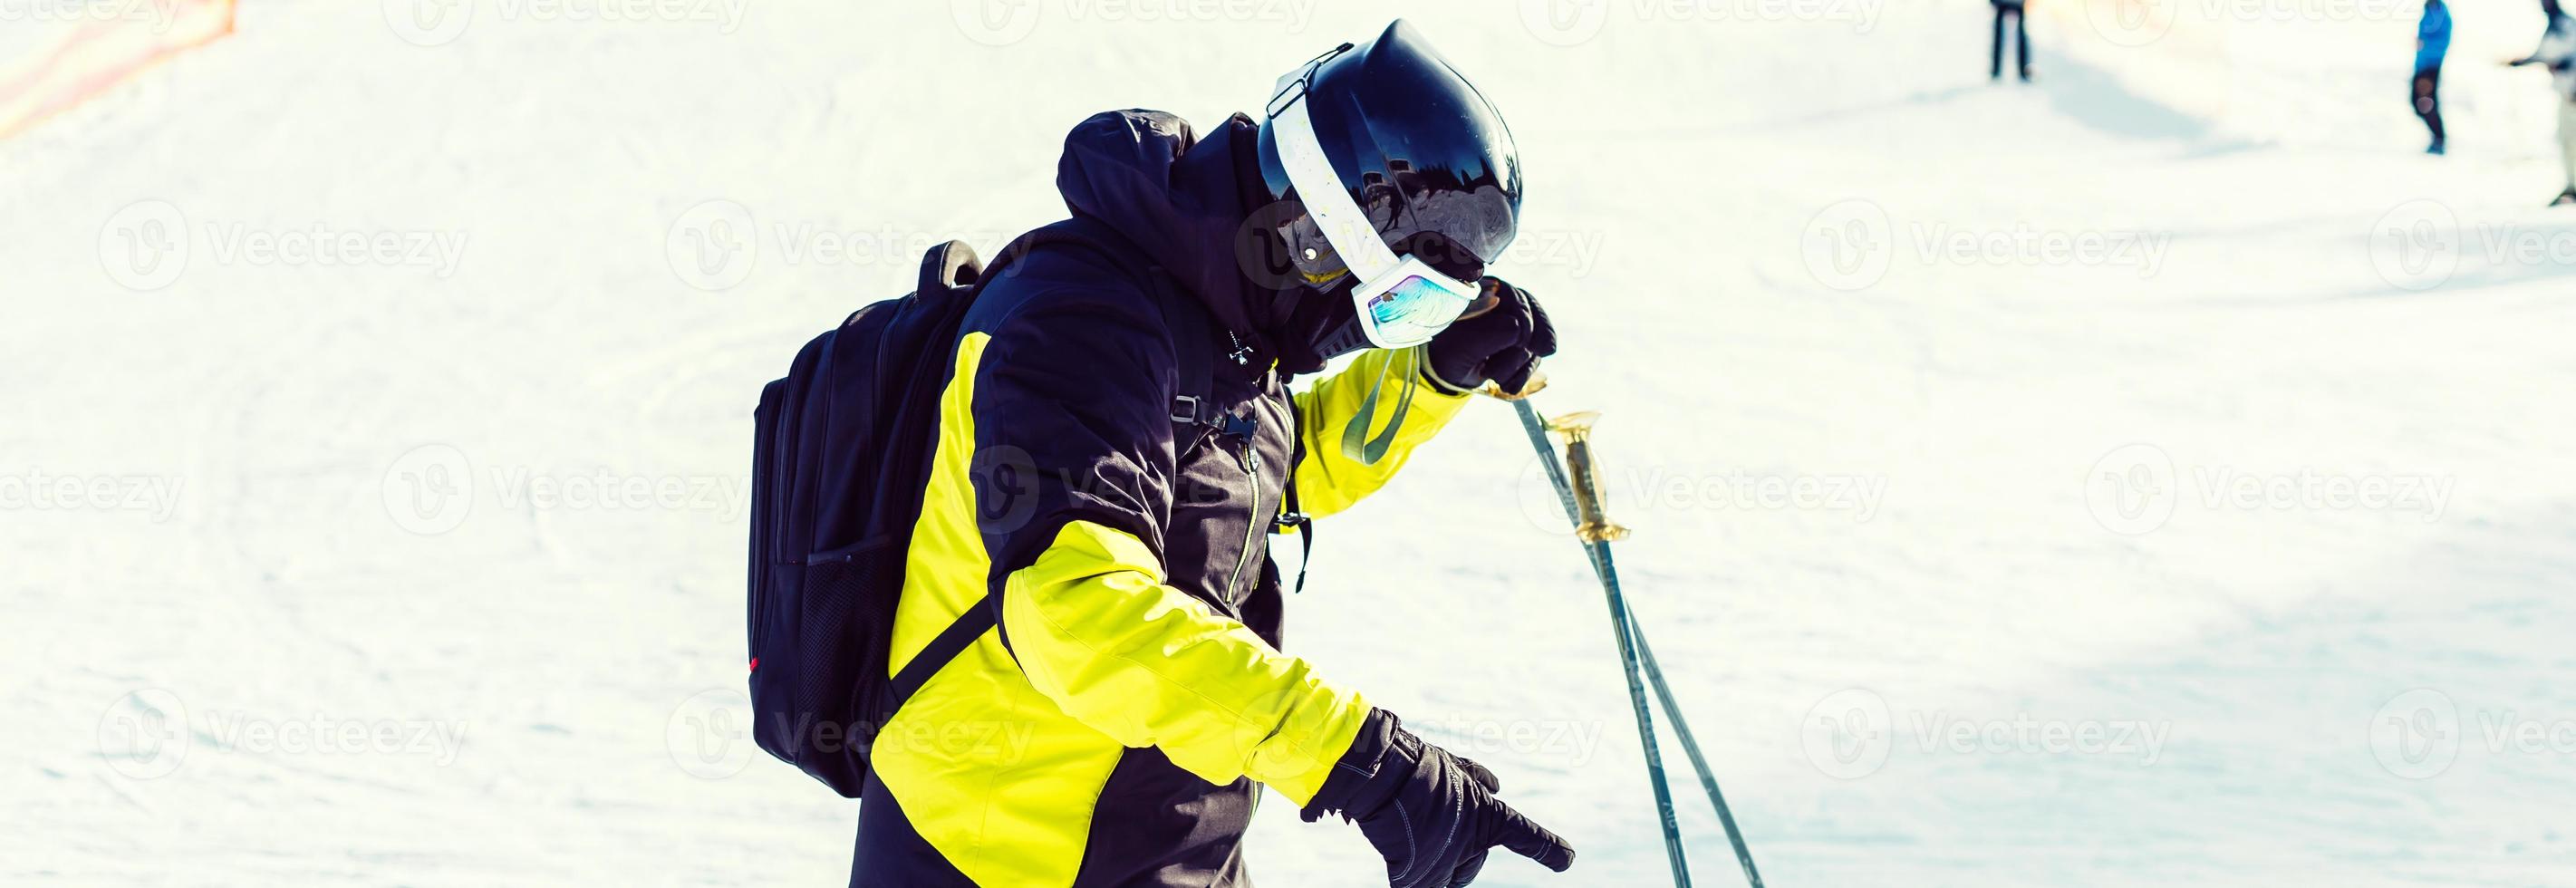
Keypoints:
pixel 1326 202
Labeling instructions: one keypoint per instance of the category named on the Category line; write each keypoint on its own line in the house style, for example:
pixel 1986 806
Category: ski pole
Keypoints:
pixel 1690 747
pixel 1598 544
pixel 1608 574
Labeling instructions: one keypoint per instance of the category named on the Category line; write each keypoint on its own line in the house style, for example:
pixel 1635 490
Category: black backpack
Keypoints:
pixel 842 449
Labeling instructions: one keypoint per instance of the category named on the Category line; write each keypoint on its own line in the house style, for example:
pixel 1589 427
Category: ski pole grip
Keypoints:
pixel 1592 520
pixel 1494 390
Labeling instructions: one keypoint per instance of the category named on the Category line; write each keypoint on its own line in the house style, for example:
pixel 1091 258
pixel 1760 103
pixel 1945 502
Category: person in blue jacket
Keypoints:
pixel 2432 41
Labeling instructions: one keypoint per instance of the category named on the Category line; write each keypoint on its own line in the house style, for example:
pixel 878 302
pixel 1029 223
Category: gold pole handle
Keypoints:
pixel 1582 472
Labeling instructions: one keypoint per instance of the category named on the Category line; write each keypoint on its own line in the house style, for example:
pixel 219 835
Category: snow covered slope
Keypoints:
pixel 2153 474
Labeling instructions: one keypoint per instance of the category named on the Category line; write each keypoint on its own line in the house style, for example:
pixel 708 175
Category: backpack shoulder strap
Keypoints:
pixel 1194 414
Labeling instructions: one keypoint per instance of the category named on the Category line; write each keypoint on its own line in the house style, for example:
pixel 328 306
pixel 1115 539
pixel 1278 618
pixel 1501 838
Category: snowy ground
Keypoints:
pixel 2150 475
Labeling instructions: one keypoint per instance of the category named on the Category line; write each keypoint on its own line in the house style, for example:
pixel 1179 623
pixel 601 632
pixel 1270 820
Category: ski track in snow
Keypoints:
pixel 1679 172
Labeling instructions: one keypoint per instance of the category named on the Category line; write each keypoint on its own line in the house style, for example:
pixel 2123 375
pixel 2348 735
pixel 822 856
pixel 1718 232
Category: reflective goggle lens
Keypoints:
pixel 1412 311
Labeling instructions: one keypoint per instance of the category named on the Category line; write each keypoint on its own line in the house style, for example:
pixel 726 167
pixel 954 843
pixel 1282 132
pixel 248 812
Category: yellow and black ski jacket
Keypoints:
pixel 1113 728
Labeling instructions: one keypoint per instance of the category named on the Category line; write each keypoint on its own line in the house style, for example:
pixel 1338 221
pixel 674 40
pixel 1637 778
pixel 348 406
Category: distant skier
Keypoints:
pixel 1123 722
pixel 2432 42
pixel 2021 35
pixel 2557 51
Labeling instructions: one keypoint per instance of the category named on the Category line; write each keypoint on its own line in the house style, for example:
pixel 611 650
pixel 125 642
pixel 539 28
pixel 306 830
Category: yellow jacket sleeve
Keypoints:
pixel 1328 481
pixel 1097 632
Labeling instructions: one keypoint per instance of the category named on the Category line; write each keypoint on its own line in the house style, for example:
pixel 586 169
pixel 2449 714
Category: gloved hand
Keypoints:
pixel 1503 344
pixel 1432 815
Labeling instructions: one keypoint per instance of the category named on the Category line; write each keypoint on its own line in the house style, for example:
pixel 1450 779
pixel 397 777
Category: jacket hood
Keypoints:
pixel 1189 203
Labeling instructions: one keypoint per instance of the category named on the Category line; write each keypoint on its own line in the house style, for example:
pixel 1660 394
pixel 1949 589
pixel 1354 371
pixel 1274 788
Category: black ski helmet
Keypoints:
pixel 1421 151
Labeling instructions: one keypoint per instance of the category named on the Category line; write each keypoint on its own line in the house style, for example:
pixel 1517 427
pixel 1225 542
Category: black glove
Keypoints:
pixel 1502 344
pixel 1433 815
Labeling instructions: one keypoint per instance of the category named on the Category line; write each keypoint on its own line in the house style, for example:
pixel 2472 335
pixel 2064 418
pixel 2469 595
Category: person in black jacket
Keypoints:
pixel 1118 721
pixel 2011 9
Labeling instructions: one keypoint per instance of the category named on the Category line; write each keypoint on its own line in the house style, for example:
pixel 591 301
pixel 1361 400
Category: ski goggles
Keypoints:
pixel 1401 300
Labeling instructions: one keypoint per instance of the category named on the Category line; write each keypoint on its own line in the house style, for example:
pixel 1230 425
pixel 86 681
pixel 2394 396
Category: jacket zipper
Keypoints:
pixel 1242 355
pixel 1252 523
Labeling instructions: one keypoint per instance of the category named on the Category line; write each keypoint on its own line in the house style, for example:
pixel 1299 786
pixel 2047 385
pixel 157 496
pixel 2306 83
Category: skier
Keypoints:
pixel 2021 36
pixel 2557 50
pixel 1118 727
pixel 2432 42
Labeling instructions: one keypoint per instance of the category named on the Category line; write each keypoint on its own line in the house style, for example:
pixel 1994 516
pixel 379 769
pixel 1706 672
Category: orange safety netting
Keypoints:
pixel 102 52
